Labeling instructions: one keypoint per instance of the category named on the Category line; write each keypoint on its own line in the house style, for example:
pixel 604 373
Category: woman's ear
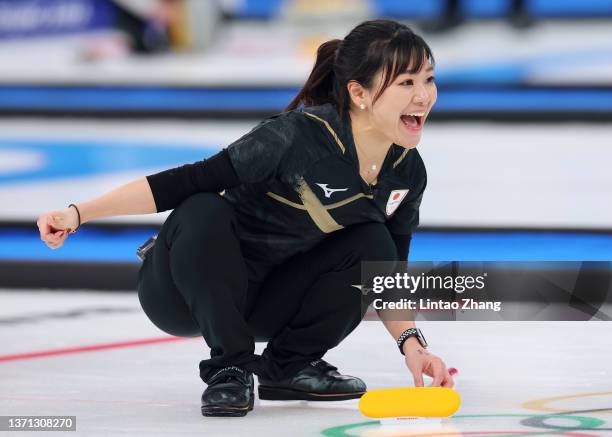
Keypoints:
pixel 357 93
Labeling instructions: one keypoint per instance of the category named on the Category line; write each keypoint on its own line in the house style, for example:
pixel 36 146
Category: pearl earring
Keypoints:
pixel 362 106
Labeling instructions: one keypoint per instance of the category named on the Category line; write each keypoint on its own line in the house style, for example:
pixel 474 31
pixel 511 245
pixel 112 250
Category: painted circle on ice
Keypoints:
pixel 538 421
pixel 541 404
pixel 584 424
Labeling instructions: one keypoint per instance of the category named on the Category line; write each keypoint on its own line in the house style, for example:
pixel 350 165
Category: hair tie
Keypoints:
pixel 78 215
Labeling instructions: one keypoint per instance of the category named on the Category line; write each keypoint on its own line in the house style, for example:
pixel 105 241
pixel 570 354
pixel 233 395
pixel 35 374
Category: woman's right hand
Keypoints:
pixel 55 226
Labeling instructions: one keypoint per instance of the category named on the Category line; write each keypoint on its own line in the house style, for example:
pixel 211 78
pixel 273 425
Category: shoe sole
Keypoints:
pixel 216 411
pixel 286 394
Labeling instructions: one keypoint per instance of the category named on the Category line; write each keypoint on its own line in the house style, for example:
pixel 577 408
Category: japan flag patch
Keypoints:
pixel 395 198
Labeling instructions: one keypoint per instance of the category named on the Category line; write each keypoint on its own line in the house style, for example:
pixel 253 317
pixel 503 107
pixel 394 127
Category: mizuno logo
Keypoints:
pixel 329 191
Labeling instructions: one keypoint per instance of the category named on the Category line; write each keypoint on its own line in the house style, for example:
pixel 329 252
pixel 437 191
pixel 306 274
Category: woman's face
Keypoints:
pixel 401 110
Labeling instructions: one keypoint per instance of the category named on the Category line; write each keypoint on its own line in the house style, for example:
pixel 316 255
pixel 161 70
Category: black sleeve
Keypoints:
pixel 171 187
pixel 402 243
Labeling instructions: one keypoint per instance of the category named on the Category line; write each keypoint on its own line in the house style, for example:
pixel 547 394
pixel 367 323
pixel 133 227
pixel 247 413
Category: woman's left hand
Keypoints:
pixel 420 362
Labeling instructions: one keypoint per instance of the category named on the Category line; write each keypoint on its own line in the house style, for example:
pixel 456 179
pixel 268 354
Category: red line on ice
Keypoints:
pixel 90 348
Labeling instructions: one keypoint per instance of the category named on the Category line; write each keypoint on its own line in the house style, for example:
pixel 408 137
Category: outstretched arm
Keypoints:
pixel 147 195
pixel 135 197
pixel 132 198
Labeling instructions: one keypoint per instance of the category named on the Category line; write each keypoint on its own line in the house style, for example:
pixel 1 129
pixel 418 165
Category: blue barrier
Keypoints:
pixel 485 8
pixel 153 99
pixel 407 9
pixel 569 8
pixel 91 244
pixel 260 9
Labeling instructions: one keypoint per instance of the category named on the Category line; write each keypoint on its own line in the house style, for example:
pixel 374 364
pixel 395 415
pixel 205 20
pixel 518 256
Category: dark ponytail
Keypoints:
pixel 370 47
pixel 319 88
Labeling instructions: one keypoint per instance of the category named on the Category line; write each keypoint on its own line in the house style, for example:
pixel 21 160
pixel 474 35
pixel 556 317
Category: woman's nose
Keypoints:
pixel 421 95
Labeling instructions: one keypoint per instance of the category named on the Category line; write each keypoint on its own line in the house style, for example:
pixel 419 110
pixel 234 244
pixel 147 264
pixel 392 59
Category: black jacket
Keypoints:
pixel 294 178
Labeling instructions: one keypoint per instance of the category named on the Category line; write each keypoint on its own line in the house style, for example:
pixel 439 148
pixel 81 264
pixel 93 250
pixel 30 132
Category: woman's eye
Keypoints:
pixel 407 82
pixel 431 79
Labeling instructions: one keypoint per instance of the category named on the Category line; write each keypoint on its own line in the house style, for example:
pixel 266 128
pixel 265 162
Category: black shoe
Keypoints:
pixel 229 393
pixel 318 381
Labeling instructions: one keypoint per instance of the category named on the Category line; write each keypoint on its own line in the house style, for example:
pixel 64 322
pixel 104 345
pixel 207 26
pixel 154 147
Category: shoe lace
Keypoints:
pixel 323 365
pixel 226 374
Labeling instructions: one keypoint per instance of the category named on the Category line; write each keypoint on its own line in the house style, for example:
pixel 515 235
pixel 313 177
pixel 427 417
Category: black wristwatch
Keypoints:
pixel 411 332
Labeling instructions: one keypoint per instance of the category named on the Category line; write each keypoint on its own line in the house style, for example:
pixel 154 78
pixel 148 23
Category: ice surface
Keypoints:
pixel 513 376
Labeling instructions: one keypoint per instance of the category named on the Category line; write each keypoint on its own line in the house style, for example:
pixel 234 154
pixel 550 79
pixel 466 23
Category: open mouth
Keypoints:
pixel 413 121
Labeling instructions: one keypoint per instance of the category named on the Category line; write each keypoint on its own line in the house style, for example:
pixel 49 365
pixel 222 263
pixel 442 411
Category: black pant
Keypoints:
pixel 196 281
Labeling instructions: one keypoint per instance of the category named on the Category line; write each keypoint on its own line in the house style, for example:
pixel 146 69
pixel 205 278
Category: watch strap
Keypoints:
pixel 410 332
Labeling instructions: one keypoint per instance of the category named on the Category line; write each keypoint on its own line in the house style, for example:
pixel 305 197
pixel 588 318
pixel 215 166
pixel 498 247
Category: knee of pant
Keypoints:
pixel 347 317
pixel 376 243
pixel 345 303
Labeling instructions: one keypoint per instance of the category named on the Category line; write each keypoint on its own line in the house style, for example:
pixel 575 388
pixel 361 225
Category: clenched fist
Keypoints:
pixel 55 226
